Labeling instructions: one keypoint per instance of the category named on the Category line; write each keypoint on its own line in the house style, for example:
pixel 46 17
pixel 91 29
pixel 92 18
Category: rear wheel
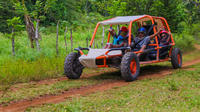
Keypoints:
pixel 130 66
pixel 72 67
pixel 176 58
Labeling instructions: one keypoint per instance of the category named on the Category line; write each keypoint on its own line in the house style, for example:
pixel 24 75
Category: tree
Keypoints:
pixel 40 9
pixel 6 12
pixel 192 8
pixel 67 11
pixel 172 10
pixel 37 11
pixel 15 24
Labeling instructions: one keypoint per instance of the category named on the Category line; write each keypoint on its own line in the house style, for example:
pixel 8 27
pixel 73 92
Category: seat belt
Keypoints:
pixel 138 43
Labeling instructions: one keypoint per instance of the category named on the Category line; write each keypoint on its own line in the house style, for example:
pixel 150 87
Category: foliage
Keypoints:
pixel 15 23
pixel 192 8
pixel 187 36
pixel 75 12
pixel 6 12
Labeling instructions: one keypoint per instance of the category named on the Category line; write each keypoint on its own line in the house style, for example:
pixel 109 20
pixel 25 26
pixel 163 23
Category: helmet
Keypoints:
pixel 163 31
pixel 123 28
pixel 142 29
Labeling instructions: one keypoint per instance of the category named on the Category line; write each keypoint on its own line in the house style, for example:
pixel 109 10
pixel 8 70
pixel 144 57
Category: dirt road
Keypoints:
pixel 22 105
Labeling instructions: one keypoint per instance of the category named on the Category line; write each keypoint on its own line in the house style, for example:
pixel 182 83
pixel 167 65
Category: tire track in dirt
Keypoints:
pixel 22 105
pixel 55 80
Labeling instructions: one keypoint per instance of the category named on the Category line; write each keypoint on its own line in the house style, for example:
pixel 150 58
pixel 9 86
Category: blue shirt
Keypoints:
pixel 118 40
pixel 114 40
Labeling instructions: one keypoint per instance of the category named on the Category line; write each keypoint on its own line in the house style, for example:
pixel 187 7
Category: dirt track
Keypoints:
pixel 22 105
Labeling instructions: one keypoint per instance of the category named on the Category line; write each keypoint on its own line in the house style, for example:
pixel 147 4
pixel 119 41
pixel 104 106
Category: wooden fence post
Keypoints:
pixel 13 42
pixel 94 44
pixel 37 35
pixel 71 40
pixel 57 28
pixel 65 36
pixel 102 37
pixel 87 41
pixel 118 28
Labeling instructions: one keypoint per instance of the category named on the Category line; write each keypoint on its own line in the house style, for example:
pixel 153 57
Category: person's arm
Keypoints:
pixel 152 36
pixel 119 38
pixel 112 32
pixel 169 37
pixel 143 47
pixel 118 46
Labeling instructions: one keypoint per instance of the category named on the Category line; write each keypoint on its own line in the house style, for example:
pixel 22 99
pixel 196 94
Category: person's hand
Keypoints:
pixel 160 29
pixel 140 51
pixel 122 44
pixel 111 30
pixel 138 55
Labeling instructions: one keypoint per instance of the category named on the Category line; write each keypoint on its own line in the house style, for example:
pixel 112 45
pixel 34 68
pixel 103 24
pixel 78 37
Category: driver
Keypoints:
pixel 142 40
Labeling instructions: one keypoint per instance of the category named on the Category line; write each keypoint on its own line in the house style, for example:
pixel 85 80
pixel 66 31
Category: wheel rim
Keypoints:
pixel 133 67
pixel 179 59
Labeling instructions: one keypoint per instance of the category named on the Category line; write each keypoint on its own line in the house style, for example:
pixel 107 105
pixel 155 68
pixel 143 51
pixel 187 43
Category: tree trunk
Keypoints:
pixel 30 29
pixel 65 38
pixel 13 42
pixel 71 39
pixel 57 29
pixel 37 35
pixel 31 40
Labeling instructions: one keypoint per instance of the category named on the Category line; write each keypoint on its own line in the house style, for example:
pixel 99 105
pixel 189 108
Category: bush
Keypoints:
pixel 184 41
pixel 188 35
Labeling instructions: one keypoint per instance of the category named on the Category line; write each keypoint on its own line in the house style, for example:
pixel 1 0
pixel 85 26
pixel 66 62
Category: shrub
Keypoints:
pixel 184 41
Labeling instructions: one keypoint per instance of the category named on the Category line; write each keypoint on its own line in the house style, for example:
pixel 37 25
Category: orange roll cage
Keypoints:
pixel 157 47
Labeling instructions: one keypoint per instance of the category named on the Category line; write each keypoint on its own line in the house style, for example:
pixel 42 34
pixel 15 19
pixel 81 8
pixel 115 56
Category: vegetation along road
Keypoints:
pixel 14 100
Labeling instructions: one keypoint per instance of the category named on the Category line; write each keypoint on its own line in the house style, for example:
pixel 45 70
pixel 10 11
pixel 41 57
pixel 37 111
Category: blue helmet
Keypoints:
pixel 142 29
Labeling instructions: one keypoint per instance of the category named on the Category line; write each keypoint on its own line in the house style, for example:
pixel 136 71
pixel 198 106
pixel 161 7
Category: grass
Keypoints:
pixel 31 65
pixel 25 71
pixel 176 92
pixel 32 90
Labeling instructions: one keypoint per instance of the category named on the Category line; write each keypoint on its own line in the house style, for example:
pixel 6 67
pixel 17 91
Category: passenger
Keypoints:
pixel 164 38
pixel 141 41
pixel 119 41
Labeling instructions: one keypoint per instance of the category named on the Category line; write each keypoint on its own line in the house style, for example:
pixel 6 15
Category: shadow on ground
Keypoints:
pixel 147 70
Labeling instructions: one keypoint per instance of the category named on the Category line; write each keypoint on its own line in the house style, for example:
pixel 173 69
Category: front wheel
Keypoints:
pixel 72 67
pixel 130 66
pixel 176 58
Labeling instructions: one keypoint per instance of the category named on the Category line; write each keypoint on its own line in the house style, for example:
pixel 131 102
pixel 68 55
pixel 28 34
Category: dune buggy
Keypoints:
pixel 125 58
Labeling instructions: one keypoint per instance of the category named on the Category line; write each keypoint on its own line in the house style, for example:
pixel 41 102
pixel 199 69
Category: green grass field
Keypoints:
pixel 176 92
pixel 31 65
pixel 32 90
